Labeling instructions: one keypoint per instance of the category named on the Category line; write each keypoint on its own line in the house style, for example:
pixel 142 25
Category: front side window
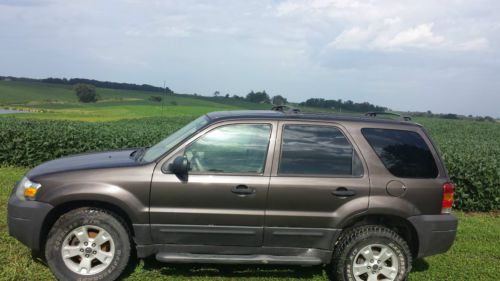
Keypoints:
pixel 404 153
pixel 317 150
pixel 239 148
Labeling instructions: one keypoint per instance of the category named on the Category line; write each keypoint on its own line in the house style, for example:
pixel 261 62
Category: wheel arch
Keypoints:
pixel 400 225
pixel 65 207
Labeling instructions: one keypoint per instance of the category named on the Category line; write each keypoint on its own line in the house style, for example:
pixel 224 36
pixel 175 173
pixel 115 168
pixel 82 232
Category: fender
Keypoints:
pixel 137 212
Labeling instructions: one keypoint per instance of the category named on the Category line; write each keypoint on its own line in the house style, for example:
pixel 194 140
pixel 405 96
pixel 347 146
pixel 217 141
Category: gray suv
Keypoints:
pixel 364 195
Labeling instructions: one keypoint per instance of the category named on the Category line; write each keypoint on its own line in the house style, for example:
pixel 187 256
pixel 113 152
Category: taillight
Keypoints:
pixel 448 190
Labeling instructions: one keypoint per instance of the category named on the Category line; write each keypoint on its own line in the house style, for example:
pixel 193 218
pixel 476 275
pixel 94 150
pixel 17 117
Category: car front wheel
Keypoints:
pixel 88 244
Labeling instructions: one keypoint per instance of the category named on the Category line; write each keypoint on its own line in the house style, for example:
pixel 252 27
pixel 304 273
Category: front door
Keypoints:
pixel 222 201
pixel 318 179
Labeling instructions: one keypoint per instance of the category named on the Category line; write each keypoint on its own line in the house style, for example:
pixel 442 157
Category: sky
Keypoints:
pixel 442 56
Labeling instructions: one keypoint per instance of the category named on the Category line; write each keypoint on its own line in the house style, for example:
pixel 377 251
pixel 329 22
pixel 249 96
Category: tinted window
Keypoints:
pixel 404 153
pixel 238 148
pixel 317 150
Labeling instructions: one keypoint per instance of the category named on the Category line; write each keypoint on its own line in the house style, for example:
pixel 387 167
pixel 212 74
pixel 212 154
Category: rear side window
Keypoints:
pixel 404 153
pixel 317 150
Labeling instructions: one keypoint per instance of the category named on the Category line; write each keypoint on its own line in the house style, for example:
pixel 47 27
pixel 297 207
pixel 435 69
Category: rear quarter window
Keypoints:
pixel 404 153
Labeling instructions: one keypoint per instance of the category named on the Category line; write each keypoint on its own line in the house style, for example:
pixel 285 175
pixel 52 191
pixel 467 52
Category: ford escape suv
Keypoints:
pixel 363 195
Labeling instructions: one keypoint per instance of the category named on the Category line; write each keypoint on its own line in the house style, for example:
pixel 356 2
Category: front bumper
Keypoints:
pixel 436 233
pixel 25 220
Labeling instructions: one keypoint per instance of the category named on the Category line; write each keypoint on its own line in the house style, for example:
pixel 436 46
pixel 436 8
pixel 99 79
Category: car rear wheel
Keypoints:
pixel 88 244
pixel 371 253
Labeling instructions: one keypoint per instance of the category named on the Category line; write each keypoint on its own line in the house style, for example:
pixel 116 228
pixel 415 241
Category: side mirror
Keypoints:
pixel 180 167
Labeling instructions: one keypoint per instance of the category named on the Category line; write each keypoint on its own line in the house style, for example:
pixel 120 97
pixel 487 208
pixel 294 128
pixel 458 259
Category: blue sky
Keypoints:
pixel 442 56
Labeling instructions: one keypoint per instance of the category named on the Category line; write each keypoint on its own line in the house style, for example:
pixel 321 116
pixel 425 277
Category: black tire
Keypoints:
pixel 111 223
pixel 353 240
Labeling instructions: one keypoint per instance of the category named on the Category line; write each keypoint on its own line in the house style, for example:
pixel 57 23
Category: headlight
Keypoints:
pixel 26 190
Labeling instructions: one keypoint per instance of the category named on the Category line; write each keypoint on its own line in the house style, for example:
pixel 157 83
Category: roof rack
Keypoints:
pixel 401 117
pixel 285 109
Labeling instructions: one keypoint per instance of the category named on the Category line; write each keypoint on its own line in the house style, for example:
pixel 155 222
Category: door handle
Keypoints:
pixel 243 190
pixel 344 192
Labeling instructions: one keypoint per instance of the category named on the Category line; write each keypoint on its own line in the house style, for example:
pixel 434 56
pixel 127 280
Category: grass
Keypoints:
pixel 59 102
pixel 118 112
pixel 474 255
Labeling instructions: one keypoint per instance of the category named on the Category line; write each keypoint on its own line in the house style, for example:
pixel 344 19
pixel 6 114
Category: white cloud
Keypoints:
pixel 353 38
pixel 390 25
pixel 420 36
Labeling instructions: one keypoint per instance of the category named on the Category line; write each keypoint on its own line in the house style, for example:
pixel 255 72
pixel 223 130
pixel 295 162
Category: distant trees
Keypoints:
pixel 342 105
pixel 216 94
pixel 279 100
pixel 86 93
pixel 156 98
pixel 258 97
pixel 449 116
pixel 99 84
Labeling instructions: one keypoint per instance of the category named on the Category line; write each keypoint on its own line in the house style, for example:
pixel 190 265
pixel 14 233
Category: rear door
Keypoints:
pixel 318 179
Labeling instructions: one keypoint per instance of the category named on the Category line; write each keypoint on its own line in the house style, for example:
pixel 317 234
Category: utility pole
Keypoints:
pixel 164 99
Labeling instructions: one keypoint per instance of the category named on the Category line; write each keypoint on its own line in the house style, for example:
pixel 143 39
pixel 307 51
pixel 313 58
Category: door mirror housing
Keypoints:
pixel 180 167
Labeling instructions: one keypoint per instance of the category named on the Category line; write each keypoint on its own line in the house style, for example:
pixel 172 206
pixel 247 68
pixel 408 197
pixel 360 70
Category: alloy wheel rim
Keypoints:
pixel 375 262
pixel 88 250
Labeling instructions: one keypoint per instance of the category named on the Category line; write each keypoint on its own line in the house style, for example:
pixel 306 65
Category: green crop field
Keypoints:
pixel 59 125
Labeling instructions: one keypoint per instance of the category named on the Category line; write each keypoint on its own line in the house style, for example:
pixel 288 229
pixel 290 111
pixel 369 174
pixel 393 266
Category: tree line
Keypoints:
pixel 95 83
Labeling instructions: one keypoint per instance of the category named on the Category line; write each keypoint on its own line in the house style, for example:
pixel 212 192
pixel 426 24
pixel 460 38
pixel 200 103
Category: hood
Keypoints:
pixel 108 159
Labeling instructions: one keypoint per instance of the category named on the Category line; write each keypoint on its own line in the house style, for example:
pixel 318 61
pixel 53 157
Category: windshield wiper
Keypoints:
pixel 137 155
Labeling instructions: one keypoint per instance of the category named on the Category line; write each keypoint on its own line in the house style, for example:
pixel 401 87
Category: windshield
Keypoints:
pixel 166 144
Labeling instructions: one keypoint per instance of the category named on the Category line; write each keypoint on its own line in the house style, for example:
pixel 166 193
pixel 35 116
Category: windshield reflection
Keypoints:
pixel 172 140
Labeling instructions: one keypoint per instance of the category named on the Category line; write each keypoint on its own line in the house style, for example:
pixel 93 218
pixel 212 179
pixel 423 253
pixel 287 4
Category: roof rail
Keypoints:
pixel 401 117
pixel 285 109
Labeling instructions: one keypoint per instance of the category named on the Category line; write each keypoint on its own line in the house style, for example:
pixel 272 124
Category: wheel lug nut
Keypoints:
pixel 368 267
pixel 86 243
pixel 87 255
pixel 371 261
pixel 94 252
pixel 93 244
pixel 81 250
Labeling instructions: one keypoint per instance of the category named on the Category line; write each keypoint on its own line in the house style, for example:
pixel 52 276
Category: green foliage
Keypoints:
pixel 86 93
pixel 258 97
pixel 339 105
pixel 471 151
pixel 31 142
pixel 279 100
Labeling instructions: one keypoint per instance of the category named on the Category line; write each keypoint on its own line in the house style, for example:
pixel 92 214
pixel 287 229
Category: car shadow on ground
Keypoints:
pixel 236 271
pixel 226 271
pixel 420 265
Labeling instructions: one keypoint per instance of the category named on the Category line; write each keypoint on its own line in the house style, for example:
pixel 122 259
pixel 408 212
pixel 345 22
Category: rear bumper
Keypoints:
pixel 25 219
pixel 436 233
